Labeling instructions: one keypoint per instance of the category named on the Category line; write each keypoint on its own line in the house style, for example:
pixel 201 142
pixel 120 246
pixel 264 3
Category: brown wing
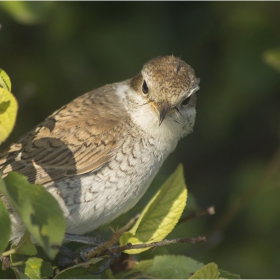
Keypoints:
pixel 79 138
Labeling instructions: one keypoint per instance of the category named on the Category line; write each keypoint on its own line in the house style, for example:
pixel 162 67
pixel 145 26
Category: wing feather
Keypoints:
pixel 79 138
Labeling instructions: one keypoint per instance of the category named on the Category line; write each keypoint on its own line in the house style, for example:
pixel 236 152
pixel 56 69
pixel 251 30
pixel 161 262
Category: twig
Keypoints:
pixel 104 246
pixel 164 242
pixel 116 235
pixel 129 246
pixel 210 210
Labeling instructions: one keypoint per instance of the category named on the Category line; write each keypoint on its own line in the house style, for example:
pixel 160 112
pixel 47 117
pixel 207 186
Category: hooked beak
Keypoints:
pixel 162 109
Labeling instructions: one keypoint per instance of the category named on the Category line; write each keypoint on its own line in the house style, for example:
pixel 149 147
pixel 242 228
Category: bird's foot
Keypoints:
pixel 91 240
pixel 68 258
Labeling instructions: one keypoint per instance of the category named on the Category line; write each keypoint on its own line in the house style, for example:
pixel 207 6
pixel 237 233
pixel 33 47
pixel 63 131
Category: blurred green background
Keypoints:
pixel 55 51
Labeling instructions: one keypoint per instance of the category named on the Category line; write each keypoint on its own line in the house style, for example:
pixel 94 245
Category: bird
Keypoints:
pixel 98 154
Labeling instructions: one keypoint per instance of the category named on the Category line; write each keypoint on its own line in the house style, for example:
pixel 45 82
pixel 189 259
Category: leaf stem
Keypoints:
pixel 10 252
pixel 17 263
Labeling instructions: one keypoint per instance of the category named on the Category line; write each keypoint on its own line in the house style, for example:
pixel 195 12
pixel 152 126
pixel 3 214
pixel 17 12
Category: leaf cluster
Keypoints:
pixel 39 213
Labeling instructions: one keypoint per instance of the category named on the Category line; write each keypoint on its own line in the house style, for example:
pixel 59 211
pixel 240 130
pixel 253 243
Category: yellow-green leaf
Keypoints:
pixel 160 215
pixel 209 271
pixel 27 12
pixel 36 268
pixel 228 275
pixel 272 57
pixel 5 81
pixel 8 113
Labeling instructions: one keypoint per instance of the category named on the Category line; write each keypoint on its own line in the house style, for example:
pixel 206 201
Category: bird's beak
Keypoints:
pixel 162 108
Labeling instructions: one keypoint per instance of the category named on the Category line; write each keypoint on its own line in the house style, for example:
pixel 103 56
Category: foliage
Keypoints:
pixel 44 221
pixel 8 106
pixel 272 57
pixel 176 267
pixel 5 225
pixel 27 13
pixel 21 255
pixel 72 48
pixel 37 209
pixel 160 215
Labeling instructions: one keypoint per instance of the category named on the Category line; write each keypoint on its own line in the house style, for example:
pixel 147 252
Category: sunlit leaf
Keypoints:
pixel 8 113
pixel 272 57
pixel 38 210
pixel 209 271
pixel 228 275
pixel 36 268
pixel 160 215
pixel 5 81
pixel 27 12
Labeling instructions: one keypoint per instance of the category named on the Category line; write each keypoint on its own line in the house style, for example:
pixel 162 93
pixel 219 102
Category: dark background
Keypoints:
pixel 55 51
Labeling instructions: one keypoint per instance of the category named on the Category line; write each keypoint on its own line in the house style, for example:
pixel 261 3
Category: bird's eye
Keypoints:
pixel 145 88
pixel 186 101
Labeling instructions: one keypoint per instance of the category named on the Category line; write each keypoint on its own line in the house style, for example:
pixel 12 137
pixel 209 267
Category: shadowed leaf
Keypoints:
pixel 5 225
pixel 38 210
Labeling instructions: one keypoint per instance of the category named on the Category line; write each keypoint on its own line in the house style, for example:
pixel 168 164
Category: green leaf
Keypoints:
pixel 160 215
pixel 8 113
pixel 168 267
pixel 5 225
pixel 25 246
pixel 36 268
pixel 109 274
pixel 19 274
pixel 7 274
pixel 141 267
pixel 144 265
pixel 76 273
pixel 272 57
pixel 79 270
pixel 209 271
pixel 38 210
pixel 27 12
pixel 5 81
pixel 228 275
pixel 17 258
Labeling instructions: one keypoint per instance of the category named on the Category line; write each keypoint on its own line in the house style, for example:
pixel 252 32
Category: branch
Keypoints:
pixel 164 242
pixel 210 210
pixel 115 237
pixel 120 249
